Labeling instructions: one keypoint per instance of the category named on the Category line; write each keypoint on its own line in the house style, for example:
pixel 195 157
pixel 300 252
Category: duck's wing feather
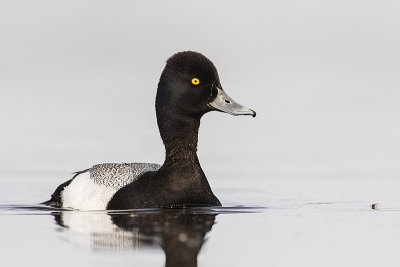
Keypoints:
pixel 118 175
pixel 107 175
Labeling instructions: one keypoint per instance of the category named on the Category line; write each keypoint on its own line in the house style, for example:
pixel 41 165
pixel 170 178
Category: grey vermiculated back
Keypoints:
pixel 117 175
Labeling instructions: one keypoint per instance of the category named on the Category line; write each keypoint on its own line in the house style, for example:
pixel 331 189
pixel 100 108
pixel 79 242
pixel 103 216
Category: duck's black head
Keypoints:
pixel 189 86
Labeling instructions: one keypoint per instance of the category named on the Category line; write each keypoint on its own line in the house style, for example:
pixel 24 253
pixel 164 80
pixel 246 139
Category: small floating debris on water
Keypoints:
pixel 374 206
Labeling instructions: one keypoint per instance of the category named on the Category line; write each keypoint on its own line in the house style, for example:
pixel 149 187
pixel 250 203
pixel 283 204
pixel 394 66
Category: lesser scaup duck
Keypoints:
pixel 189 87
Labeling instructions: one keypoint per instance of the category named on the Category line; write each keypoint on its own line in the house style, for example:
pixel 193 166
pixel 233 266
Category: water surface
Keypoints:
pixel 263 223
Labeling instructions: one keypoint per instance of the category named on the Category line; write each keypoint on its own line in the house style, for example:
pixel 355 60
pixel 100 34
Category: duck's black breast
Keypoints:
pixel 169 187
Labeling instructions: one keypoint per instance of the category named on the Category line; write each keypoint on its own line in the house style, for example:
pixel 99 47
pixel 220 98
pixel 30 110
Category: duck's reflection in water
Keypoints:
pixel 179 232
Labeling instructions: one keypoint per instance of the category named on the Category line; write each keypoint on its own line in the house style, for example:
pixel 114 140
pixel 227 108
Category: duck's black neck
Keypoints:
pixel 180 135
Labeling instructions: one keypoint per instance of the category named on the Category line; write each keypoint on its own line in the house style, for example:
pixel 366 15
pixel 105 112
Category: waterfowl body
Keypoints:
pixel 189 87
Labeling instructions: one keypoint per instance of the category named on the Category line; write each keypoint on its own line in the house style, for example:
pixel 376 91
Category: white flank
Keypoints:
pixel 84 194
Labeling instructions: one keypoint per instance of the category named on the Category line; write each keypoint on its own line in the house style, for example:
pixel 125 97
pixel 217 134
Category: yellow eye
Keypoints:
pixel 195 81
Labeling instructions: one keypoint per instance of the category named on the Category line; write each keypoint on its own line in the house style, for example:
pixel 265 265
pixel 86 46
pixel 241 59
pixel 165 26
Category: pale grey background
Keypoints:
pixel 77 87
pixel 78 80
